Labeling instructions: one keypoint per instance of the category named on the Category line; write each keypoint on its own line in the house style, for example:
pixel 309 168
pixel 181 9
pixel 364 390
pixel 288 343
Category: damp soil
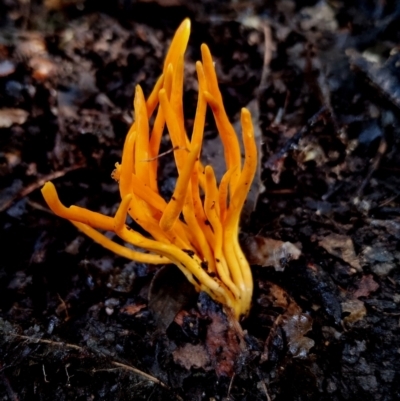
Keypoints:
pixel 323 82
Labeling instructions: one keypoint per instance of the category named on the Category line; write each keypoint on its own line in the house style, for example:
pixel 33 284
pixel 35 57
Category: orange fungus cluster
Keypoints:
pixel 197 229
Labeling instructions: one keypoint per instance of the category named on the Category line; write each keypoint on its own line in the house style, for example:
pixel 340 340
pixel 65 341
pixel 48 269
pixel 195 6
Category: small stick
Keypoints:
pixel 115 363
pixel 165 153
pixel 39 183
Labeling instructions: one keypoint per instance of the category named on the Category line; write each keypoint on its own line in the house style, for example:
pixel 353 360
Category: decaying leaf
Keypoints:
pixel 42 67
pixel 295 327
pixel 365 286
pixel 7 67
pixel 292 324
pixel 8 117
pixel 192 356
pixel 341 246
pixel 356 310
pixel 270 252
pixel 60 4
pixel 133 309
pixel 169 292
pixel 225 342
pixel 379 258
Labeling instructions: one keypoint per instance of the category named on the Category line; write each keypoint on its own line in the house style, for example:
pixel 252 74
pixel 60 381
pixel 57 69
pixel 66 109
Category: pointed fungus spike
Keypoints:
pixel 175 205
pixel 120 216
pixel 118 249
pixel 179 43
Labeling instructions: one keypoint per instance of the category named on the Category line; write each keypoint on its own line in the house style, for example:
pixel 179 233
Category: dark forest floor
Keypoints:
pixel 323 81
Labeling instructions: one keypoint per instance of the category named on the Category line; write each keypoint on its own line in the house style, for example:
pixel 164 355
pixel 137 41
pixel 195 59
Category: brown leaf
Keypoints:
pixel 292 322
pixel 29 44
pixel 169 292
pixel 356 310
pixel 365 286
pixel 225 342
pixel 295 327
pixel 60 4
pixel 132 309
pixel 191 356
pixel 341 246
pixel 281 299
pixel 42 68
pixel 164 3
pixel 8 117
pixel 270 252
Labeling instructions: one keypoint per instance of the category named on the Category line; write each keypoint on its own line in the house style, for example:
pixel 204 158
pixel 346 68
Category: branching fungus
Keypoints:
pixel 197 229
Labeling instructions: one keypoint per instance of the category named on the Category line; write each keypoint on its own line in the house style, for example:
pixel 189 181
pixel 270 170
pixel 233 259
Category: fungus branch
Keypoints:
pixel 197 233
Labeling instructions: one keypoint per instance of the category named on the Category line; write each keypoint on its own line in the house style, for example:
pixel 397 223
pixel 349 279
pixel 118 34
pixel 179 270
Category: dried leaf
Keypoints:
pixel 224 339
pixel 341 246
pixel 30 44
pixel 356 310
pixel 292 322
pixel 192 356
pixel 295 327
pixel 379 258
pixel 60 4
pixel 42 68
pixel 7 67
pixel 8 117
pixel 279 298
pixel 365 286
pixel 169 292
pixel 270 252
pixel 132 309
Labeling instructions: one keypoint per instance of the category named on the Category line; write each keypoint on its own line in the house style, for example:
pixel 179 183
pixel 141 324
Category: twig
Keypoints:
pixel 230 387
pixel 165 153
pixel 39 183
pixel 115 363
pixel 269 47
pixel 44 374
pixel 140 373
pixel 262 382
pixel 146 376
pixel 64 306
pixel 68 384
pixel 387 201
pixel 374 166
pixel 264 387
pixel 50 342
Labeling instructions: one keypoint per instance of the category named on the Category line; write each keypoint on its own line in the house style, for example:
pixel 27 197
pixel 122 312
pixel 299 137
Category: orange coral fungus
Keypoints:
pixel 198 228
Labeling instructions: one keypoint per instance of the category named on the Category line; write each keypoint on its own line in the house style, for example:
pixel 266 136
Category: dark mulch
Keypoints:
pixel 78 323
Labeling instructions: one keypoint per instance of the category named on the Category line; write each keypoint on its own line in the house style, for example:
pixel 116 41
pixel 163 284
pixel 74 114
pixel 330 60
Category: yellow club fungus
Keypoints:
pixel 197 229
